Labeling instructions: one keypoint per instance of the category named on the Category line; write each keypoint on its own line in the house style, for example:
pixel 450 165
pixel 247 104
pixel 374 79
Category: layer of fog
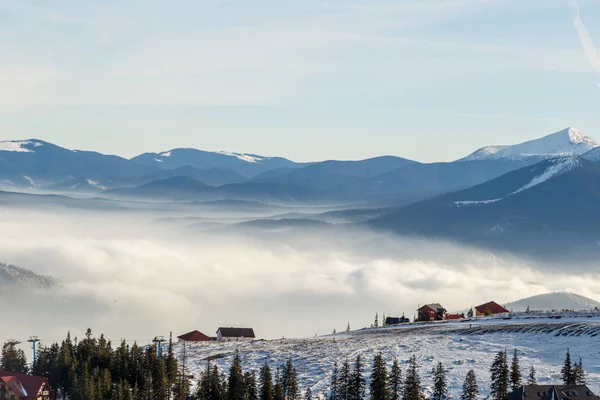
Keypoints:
pixel 127 276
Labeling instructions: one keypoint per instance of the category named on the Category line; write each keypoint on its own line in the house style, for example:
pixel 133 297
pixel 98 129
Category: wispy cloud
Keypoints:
pixel 586 40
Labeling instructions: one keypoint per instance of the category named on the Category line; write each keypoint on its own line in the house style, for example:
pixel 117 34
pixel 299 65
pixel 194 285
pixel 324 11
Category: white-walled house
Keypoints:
pixel 236 334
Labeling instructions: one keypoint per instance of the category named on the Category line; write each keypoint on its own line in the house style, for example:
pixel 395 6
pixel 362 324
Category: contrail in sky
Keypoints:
pixel 586 40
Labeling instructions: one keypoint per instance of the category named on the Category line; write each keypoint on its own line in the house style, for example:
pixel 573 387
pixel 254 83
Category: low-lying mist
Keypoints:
pixel 127 275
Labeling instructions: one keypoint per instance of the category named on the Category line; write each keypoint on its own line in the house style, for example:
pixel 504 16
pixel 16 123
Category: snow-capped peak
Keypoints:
pixel 20 146
pixel 568 142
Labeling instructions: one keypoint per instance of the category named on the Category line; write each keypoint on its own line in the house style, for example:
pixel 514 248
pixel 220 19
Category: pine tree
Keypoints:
pixel 376 322
pixel 250 387
pixel 395 381
pixel 334 389
pixel 531 379
pixel 217 387
pixel 344 381
pixel 470 389
pixel 266 383
pixel 579 373
pixel 412 383
pixel 378 384
pixel 358 386
pixel 515 373
pixel 308 394
pixel 440 383
pixel 290 381
pixel 278 388
pixel 171 367
pixel 348 327
pixel 499 377
pixel 235 387
pixel 567 370
pixel 13 359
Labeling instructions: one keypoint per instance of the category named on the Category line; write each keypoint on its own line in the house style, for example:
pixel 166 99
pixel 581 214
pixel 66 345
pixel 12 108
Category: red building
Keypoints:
pixel 194 336
pixel 431 312
pixel 24 387
pixel 455 316
pixel 490 308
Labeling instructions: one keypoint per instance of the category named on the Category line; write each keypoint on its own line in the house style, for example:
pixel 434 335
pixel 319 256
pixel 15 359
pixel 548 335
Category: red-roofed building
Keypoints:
pixel 24 387
pixel 454 316
pixel 194 336
pixel 490 308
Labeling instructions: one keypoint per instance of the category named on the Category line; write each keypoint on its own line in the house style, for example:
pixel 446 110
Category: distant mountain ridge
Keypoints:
pixel 247 165
pixel 36 165
pixel 554 301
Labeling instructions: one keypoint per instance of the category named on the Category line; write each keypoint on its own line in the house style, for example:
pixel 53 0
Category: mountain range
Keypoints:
pixel 524 197
pixel 38 165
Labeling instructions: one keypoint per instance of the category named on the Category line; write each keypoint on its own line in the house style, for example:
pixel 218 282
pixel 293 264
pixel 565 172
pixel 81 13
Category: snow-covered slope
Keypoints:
pixel 11 275
pixel 538 174
pixel 460 346
pixel 568 142
pixel 592 155
pixel 554 301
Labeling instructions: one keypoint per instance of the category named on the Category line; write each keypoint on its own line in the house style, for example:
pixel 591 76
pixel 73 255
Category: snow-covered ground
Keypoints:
pixel 541 341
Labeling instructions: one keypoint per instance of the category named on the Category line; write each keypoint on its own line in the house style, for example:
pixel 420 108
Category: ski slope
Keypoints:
pixel 460 346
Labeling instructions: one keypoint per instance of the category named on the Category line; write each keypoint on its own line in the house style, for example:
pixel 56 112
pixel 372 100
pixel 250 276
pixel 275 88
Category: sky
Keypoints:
pixel 430 80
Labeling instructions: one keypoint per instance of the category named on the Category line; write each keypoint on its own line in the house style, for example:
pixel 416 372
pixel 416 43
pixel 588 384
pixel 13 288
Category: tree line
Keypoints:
pixel 90 369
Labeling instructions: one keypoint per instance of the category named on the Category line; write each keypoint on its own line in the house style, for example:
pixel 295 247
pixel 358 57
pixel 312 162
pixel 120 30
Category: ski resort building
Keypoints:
pixel 553 392
pixel 235 334
pixel 431 312
pixel 24 387
pixel 194 336
pixel 490 308
pixel 456 316
pixel 396 320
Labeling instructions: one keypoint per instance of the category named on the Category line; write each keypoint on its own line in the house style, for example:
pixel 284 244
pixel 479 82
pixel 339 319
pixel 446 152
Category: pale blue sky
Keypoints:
pixel 311 79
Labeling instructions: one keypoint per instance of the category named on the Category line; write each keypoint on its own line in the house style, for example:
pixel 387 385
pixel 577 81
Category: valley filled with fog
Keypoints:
pixel 140 269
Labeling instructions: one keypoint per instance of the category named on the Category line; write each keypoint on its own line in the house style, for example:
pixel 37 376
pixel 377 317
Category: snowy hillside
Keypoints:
pixel 592 155
pixel 554 301
pixel 539 174
pixel 460 346
pixel 568 142
pixel 11 275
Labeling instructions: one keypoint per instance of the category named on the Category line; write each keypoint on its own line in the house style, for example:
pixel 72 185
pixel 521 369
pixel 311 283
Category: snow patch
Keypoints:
pixel 467 203
pixel 158 160
pixel 251 158
pixel 19 146
pixel 559 166
pixel 30 180
pixel 95 184
pixel 165 154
